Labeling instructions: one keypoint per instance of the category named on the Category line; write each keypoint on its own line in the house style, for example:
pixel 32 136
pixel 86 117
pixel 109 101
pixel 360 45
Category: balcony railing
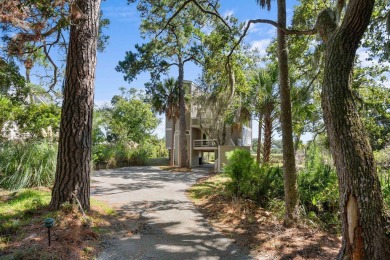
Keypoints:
pixel 195 121
pixel 205 143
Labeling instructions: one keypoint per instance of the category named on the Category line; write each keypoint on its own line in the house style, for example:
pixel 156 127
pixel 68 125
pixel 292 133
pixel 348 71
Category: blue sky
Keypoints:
pixel 124 34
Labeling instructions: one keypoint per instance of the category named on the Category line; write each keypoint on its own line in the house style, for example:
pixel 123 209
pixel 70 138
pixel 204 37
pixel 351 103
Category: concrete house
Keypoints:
pixel 200 139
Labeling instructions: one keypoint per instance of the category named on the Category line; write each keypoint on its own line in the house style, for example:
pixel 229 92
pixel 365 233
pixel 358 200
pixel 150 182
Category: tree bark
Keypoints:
pixel 361 202
pixel 74 151
pixel 290 175
pixel 182 118
pixel 258 158
pixel 172 162
pixel 267 133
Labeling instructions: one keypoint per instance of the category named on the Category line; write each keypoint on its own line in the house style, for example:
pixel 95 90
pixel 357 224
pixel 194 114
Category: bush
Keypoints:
pixel 119 155
pixel 384 178
pixel 268 184
pixel 318 189
pixel 239 170
pixel 24 165
pixel 248 180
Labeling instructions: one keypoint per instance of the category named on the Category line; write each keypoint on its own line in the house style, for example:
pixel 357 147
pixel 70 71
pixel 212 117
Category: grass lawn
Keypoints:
pixel 23 236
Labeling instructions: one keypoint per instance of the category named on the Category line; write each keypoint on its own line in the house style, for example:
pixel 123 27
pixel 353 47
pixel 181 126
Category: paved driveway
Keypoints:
pixel 172 228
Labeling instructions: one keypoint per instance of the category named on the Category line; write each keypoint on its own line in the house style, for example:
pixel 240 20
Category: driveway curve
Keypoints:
pixel 170 227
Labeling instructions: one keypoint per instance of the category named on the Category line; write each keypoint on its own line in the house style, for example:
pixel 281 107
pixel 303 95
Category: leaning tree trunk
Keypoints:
pixel 267 133
pixel 182 119
pixel 258 158
pixel 290 175
pixel 361 203
pixel 172 162
pixel 72 179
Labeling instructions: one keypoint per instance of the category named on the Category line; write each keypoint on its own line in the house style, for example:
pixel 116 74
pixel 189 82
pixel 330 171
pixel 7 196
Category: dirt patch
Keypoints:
pixel 252 226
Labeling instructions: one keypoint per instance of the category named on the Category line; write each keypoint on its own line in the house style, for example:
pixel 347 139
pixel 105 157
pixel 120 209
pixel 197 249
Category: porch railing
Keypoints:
pixel 205 143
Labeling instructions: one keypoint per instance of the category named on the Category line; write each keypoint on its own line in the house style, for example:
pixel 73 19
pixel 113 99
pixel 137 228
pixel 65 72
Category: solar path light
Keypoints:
pixel 49 222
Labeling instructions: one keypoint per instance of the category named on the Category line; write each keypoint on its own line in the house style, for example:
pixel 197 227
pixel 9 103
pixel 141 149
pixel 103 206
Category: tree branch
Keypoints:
pixel 308 87
pixel 273 23
pixel 192 58
pixel 215 13
pixel 173 64
pixel 51 87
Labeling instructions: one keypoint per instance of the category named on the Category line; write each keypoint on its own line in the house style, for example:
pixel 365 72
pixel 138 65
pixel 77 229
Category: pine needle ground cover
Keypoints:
pixel 23 235
pixel 258 228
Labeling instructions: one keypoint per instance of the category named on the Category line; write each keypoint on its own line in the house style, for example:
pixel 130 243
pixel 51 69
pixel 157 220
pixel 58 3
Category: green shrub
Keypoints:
pixel 139 156
pixel 238 169
pixel 119 154
pixel 382 158
pixel 318 189
pixel 384 178
pixel 268 184
pixel 248 180
pixel 24 165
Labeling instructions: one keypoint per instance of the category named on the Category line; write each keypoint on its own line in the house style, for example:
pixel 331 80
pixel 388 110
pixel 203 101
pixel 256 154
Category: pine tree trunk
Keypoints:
pixel 172 162
pixel 258 158
pixel 290 175
pixel 182 118
pixel 267 133
pixel 361 202
pixel 75 140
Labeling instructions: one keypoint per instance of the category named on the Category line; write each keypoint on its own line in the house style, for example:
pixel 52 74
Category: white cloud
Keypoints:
pixel 258 29
pixel 228 13
pixel 254 27
pixel 260 45
pixel 271 32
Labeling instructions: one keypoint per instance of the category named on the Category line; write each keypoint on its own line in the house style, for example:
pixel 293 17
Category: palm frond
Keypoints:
pixel 264 3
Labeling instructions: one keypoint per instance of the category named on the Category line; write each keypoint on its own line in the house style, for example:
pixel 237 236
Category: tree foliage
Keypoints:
pixel 131 118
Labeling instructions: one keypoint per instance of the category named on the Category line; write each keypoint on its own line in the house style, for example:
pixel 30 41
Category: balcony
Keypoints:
pixel 204 122
pixel 205 145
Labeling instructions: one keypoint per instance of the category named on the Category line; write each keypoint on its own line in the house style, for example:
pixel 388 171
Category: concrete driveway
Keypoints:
pixel 170 225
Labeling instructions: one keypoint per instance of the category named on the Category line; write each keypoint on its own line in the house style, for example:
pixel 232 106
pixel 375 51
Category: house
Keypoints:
pixel 204 134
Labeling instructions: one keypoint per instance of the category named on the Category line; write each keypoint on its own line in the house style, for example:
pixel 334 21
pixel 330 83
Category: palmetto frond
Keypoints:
pixel 264 3
pixel 165 98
